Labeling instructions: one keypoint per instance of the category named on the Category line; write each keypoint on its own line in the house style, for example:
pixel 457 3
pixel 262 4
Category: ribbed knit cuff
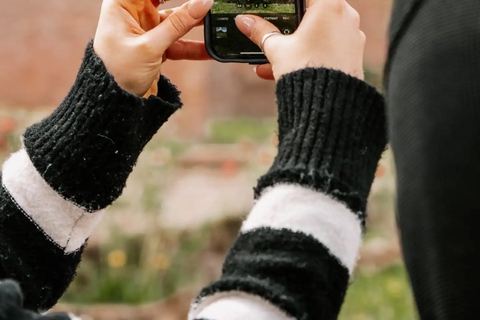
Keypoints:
pixel 87 148
pixel 332 132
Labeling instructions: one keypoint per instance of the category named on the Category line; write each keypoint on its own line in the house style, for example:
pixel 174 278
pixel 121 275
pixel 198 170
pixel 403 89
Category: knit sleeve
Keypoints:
pixel 73 164
pixel 298 247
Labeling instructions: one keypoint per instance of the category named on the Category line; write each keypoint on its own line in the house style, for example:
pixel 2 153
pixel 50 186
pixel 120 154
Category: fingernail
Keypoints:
pixel 247 22
pixel 199 8
pixel 255 69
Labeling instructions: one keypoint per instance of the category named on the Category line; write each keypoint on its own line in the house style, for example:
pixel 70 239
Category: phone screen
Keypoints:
pixel 228 42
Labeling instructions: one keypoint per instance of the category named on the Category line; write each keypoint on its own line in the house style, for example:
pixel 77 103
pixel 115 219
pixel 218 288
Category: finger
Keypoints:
pixel 325 10
pixel 179 23
pixel 149 17
pixel 264 71
pixel 255 28
pixel 164 14
pixel 125 15
pixel 157 3
pixel 187 50
pixel 332 4
pixel 355 16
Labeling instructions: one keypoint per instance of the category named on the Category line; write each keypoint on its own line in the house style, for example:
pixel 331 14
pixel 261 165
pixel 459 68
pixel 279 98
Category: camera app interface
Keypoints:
pixel 228 41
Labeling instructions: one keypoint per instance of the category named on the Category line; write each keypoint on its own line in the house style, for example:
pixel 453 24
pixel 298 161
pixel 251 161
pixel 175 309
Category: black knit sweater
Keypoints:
pixel 84 151
pixel 331 132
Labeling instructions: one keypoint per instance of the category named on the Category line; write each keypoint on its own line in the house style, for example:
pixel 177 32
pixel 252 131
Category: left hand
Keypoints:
pixel 11 305
pixel 133 39
pixel 329 36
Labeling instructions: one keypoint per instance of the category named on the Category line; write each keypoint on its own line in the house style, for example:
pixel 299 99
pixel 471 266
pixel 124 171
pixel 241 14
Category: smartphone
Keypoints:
pixel 225 43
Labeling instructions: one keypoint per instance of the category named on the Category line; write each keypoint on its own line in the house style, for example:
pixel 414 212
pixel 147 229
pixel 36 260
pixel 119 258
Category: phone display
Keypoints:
pixel 223 40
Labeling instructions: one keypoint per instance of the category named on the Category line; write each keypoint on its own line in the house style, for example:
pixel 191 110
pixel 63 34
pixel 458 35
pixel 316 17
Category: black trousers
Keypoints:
pixel 433 97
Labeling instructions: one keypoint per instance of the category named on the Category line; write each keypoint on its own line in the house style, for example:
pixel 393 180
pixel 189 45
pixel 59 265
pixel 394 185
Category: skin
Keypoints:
pixel 329 36
pixel 134 39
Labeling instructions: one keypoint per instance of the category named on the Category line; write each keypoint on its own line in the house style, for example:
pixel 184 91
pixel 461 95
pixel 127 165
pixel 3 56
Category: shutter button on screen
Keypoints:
pixel 286 31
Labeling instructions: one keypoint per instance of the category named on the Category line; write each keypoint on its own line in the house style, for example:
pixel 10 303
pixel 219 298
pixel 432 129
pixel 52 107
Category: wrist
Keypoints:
pixel 332 132
pixel 124 70
pixel 87 148
pixel 282 70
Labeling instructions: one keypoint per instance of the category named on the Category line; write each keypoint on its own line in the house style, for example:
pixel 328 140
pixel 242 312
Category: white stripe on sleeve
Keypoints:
pixel 64 222
pixel 233 305
pixel 301 209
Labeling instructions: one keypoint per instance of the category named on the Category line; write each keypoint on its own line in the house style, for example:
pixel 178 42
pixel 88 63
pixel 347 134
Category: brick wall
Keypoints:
pixel 42 43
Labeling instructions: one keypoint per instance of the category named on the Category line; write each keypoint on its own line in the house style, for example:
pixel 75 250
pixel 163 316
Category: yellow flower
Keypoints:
pixel 394 287
pixel 117 259
pixel 161 261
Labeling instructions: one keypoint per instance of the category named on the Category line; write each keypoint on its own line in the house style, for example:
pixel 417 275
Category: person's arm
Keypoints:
pixel 75 163
pixel 297 249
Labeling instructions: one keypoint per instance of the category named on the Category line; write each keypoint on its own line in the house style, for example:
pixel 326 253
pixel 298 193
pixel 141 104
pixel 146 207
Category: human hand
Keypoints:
pixel 11 305
pixel 328 36
pixel 133 39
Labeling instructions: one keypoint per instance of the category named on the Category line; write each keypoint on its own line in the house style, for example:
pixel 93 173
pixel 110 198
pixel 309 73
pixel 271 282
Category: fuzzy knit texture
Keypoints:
pixel 84 152
pixel 331 135
pixel 101 126
pixel 11 305
pixel 332 132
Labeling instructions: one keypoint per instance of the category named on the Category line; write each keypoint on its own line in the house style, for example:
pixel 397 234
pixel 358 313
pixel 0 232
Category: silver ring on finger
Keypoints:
pixel 265 37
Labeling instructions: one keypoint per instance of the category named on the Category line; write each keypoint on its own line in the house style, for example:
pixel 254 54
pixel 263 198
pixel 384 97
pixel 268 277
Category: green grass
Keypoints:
pixel 238 129
pixel 384 295
pixel 231 8
pixel 381 295
pixel 139 280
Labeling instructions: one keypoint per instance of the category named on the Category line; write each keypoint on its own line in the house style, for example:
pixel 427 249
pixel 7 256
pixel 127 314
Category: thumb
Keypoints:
pixel 255 28
pixel 179 23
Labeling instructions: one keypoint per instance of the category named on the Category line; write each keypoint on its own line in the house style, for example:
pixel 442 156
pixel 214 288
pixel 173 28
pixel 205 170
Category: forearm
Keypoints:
pixel 73 164
pixel 298 247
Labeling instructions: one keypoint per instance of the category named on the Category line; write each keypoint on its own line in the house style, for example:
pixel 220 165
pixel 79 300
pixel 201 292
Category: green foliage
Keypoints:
pixel 238 129
pixel 143 276
pixel 231 8
pixel 383 295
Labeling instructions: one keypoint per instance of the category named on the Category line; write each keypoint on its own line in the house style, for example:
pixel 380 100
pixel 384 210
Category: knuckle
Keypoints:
pixel 356 16
pixel 363 37
pixel 145 46
pixel 258 32
pixel 336 5
pixel 178 24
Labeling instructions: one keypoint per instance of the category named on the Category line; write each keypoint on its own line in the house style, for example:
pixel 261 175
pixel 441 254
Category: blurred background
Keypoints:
pixel 167 235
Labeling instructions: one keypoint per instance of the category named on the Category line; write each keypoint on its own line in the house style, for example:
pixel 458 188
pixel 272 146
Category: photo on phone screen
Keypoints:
pixel 227 42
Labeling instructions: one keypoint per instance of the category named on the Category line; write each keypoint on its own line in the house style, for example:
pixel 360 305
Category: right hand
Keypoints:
pixel 133 39
pixel 328 37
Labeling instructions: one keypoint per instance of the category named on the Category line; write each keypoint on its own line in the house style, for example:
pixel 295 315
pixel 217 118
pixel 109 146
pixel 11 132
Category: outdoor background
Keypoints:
pixel 169 232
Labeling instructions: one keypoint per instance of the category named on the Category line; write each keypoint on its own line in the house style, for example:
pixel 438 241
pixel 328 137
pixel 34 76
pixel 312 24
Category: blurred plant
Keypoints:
pixel 117 259
pixel 234 130
pixel 383 295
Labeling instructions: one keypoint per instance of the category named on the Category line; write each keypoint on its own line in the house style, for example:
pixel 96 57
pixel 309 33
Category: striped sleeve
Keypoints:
pixel 72 165
pixel 298 247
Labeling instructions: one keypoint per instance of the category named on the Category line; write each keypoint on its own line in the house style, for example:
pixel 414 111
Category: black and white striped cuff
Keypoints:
pixel 63 222
pixel 292 260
